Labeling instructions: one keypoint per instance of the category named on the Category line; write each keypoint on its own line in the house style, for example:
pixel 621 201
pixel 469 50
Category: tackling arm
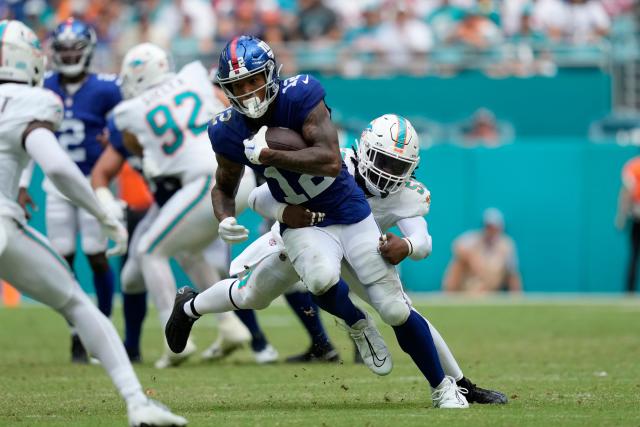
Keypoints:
pixel 322 158
pixel 41 144
pixel 417 236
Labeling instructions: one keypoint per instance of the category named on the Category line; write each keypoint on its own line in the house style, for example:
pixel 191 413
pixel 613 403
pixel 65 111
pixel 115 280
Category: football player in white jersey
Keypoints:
pixel 263 271
pixel 164 120
pixel 28 117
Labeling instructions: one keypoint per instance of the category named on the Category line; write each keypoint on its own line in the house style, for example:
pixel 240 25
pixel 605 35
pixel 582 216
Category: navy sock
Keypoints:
pixel 135 309
pixel 103 283
pixel 307 311
pixel 414 337
pixel 248 317
pixel 336 301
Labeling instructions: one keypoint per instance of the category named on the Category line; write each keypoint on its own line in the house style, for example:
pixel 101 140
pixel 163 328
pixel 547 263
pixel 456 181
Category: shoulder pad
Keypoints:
pixel 415 199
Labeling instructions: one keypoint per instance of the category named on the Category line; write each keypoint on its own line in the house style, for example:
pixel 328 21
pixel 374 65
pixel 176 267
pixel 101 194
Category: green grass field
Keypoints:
pixel 561 363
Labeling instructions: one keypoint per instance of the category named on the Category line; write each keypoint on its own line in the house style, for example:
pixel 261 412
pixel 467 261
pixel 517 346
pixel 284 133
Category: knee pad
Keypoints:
pixel 394 312
pixel 320 279
pixel 131 280
pixel 253 301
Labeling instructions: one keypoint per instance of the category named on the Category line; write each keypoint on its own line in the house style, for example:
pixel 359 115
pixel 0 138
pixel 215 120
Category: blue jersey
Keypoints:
pixel 340 198
pixel 85 116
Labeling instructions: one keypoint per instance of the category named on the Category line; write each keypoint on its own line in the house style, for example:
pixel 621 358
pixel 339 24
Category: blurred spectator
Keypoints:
pixel 481 129
pixel 629 208
pixel 445 19
pixel 317 22
pixel 573 21
pixel 484 260
pixel 478 29
pixel 405 39
pixel 525 53
pixel 184 46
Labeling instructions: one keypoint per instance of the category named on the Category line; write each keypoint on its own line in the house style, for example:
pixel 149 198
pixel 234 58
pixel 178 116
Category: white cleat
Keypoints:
pixel 233 335
pixel 220 349
pixel 151 414
pixel 371 346
pixel 267 355
pixel 449 396
pixel 171 359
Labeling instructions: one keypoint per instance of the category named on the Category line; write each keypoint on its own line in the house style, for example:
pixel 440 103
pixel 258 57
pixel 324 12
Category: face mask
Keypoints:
pixel 254 107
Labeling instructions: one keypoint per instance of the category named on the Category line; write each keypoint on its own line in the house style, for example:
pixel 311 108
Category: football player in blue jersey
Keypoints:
pixel 317 179
pixel 87 98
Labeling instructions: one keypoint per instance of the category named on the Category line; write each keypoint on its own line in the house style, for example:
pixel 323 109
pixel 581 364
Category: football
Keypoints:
pixel 284 139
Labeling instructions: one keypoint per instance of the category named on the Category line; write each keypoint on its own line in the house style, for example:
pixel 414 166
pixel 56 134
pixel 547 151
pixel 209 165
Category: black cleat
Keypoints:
pixel 316 353
pixel 78 353
pixel 179 325
pixel 480 395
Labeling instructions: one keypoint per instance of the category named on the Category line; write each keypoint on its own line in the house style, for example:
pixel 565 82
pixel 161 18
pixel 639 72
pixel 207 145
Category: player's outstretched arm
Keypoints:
pixel 41 144
pixel 262 201
pixel 322 158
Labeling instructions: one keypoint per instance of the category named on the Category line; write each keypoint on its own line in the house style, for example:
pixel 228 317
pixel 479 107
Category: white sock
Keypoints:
pixel 101 340
pixel 187 309
pixel 160 283
pixel 448 362
pixel 215 299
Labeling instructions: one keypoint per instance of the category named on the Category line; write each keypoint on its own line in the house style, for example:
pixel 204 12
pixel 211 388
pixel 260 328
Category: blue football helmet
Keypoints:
pixel 243 57
pixel 73 42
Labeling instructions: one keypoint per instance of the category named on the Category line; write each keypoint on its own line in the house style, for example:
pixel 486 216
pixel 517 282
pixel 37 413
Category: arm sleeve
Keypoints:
pixel 261 201
pixel 415 230
pixel 42 146
pixel 27 174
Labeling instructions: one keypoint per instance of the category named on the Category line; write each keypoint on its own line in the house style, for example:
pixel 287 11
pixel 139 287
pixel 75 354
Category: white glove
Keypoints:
pixel 149 168
pixel 112 206
pixel 231 232
pixel 116 232
pixel 253 146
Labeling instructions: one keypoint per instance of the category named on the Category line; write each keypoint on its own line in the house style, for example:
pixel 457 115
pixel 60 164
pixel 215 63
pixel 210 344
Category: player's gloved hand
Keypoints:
pixel 112 206
pixel 253 146
pixel 149 168
pixel 116 232
pixel 231 232
pixel 298 217
pixel 24 200
pixel 393 248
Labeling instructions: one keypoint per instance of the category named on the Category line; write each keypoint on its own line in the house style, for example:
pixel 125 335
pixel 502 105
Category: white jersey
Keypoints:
pixel 19 106
pixel 170 123
pixel 412 200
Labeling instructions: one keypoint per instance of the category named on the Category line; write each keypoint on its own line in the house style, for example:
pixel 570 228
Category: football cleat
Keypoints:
pixel 482 396
pixel 151 413
pixel 171 359
pixel 267 355
pixel 371 346
pixel 449 396
pixel 78 352
pixel 233 335
pixel 316 353
pixel 179 325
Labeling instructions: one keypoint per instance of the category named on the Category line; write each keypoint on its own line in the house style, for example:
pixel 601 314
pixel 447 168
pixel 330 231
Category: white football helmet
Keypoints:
pixel 21 56
pixel 388 153
pixel 145 65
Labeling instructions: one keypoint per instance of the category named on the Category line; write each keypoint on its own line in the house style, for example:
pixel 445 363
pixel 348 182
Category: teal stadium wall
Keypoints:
pixel 558 191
